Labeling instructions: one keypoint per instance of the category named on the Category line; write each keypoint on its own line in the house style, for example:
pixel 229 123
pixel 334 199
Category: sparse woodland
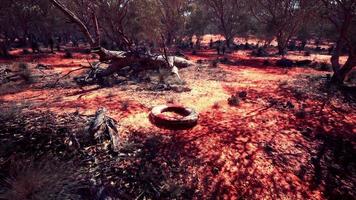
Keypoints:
pixel 177 99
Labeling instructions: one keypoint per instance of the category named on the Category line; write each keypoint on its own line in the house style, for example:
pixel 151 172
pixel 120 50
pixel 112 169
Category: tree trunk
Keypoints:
pixel 340 75
pixel 335 57
pixel 281 50
pixel 228 42
pixel 339 46
pixel 282 44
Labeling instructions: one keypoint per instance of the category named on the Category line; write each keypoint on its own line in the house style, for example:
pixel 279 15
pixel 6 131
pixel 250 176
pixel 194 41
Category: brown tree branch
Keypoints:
pixel 76 20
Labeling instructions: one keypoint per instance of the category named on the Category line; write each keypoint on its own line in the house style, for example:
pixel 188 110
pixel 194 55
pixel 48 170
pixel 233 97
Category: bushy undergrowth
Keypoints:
pixel 68 54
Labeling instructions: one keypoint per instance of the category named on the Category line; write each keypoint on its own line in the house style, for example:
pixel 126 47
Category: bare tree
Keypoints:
pixel 227 14
pixel 198 20
pixel 171 17
pixel 342 14
pixel 112 14
pixel 282 18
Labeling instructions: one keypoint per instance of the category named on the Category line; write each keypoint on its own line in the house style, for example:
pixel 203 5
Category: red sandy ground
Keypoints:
pixel 205 40
pixel 227 147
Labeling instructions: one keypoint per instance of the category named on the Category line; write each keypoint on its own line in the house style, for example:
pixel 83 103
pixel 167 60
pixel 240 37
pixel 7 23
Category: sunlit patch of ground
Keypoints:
pixel 205 40
pixel 256 150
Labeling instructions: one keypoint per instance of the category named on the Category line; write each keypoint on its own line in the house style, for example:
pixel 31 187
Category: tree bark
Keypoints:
pixel 341 74
pixel 282 44
pixel 281 49
pixel 228 41
pixel 340 44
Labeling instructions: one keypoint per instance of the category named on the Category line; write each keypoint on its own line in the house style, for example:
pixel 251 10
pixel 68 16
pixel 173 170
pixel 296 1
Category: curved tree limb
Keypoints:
pixel 76 20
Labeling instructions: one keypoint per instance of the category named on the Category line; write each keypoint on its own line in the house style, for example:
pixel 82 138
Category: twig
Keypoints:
pixel 139 196
pixel 165 50
pixel 97 31
pixel 68 73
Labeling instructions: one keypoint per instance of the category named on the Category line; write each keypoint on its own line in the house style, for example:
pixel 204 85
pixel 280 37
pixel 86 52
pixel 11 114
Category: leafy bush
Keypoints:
pixel 260 52
pixel 266 63
pixel 325 67
pixel 68 54
pixel 284 63
pixel 25 51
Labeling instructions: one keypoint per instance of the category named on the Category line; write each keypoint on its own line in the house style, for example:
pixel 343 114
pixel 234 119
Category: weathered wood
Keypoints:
pixel 121 61
pixel 104 128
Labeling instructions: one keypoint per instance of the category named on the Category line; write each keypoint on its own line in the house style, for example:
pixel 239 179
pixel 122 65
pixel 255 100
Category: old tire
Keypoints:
pixel 188 120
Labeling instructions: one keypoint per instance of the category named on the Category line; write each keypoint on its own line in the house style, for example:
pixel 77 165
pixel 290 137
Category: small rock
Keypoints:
pixel 233 101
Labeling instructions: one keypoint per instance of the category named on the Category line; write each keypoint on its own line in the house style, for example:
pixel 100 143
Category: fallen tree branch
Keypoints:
pixel 121 59
pixel 68 73
pixel 103 128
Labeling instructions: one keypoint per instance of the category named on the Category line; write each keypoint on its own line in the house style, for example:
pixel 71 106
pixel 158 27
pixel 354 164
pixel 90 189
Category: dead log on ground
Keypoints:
pixel 120 59
pixel 103 128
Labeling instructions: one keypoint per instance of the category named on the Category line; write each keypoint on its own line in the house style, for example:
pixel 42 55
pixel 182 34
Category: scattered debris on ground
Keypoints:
pixel 288 130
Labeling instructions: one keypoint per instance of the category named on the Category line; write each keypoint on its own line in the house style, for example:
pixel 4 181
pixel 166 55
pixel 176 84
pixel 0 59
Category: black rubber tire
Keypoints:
pixel 189 119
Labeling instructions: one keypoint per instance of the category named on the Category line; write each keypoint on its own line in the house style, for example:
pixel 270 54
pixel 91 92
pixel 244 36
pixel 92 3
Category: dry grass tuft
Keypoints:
pixel 44 179
pixel 11 111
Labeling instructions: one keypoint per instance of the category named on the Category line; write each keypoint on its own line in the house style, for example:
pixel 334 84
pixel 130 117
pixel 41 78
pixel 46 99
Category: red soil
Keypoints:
pixel 252 151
